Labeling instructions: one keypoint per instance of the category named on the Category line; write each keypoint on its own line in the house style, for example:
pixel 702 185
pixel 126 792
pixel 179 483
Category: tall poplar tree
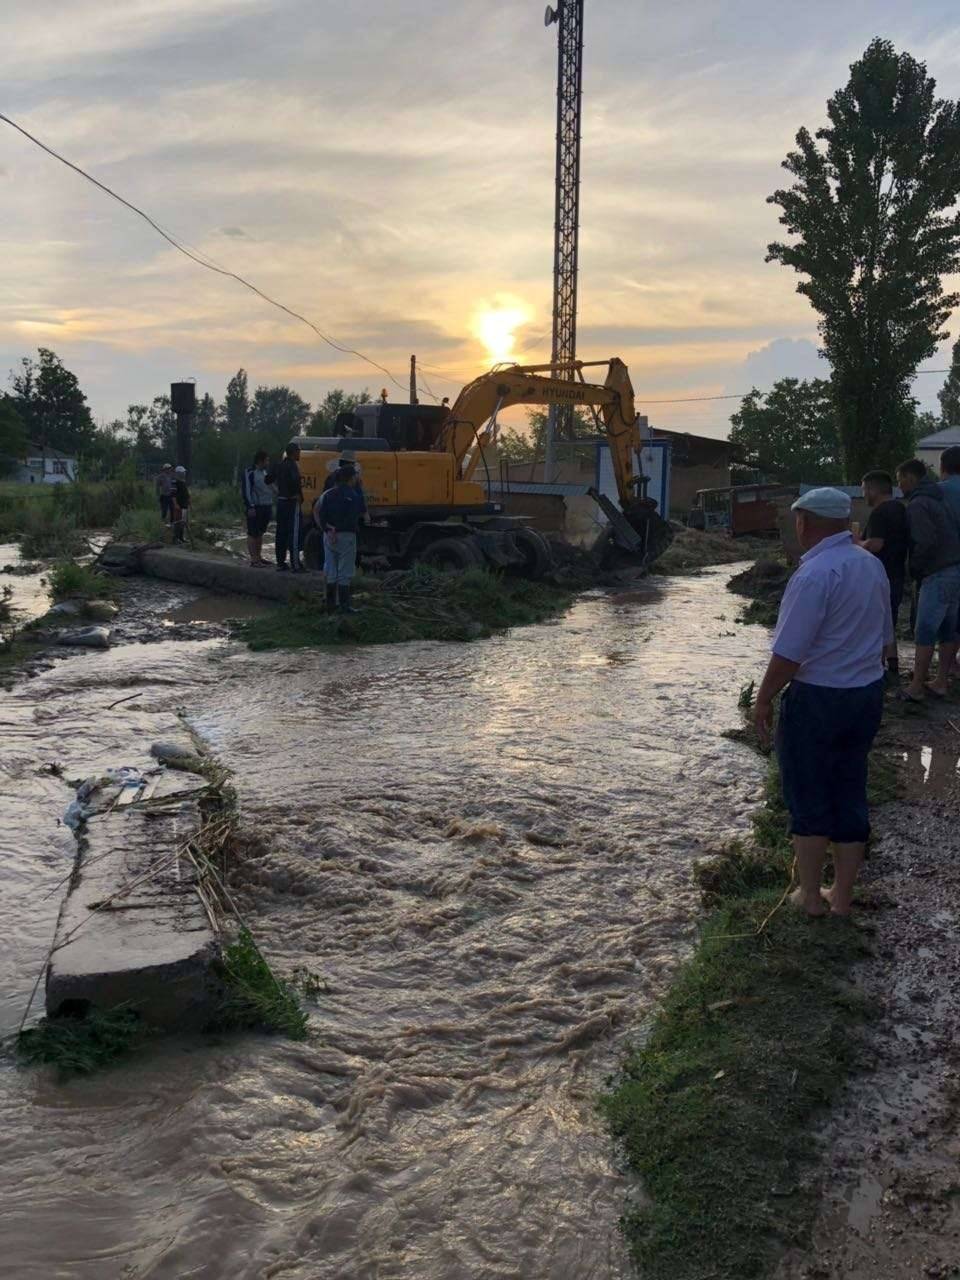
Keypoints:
pixel 874 231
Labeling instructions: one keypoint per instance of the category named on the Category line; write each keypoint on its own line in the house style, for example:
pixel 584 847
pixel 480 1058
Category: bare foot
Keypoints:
pixel 837 908
pixel 812 907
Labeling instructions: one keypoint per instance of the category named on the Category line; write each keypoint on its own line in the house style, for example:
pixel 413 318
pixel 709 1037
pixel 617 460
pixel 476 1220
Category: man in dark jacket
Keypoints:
pixel 886 536
pixel 935 564
pixel 338 513
pixel 289 499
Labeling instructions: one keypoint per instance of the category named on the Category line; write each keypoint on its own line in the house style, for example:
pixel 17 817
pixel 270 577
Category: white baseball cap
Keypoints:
pixel 180 471
pixel 832 504
pixel 167 466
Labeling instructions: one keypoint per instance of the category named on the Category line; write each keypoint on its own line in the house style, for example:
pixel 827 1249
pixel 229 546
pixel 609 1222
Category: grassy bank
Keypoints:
pixel 422 604
pixel 53 520
pixel 757 1035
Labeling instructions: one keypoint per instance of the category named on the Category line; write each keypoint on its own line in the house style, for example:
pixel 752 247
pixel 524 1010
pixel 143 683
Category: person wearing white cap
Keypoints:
pixel 834 622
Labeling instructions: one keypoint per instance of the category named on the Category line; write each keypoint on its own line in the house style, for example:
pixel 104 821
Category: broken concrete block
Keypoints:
pixel 86 637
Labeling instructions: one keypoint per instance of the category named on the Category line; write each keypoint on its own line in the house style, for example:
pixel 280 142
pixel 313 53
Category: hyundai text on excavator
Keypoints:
pixel 419 465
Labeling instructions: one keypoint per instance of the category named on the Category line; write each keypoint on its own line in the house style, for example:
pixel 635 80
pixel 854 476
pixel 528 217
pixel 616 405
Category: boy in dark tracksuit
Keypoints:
pixel 181 504
pixel 289 497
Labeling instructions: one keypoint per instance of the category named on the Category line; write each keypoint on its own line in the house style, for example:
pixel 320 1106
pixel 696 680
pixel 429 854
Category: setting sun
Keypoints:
pixel 496 328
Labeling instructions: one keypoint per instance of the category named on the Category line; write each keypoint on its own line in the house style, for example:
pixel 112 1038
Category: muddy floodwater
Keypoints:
pixel 482 851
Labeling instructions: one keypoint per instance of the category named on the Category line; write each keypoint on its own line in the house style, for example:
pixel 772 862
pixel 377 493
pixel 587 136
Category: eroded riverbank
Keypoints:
pixel 484 852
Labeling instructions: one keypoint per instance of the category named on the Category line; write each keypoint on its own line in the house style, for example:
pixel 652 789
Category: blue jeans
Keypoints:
pixel 339 558
pixel 824 737
pixel 938 607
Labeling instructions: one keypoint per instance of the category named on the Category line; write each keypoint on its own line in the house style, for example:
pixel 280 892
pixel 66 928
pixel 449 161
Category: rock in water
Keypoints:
pixel 101 610
pixel 86 637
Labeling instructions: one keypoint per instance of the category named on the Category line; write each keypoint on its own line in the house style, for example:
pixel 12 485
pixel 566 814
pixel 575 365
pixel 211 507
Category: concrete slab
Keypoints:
pixel 132 929
pixel 218 573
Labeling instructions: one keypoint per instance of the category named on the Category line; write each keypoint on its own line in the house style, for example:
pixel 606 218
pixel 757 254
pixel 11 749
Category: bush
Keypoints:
pixel 71 579
pixel 140 524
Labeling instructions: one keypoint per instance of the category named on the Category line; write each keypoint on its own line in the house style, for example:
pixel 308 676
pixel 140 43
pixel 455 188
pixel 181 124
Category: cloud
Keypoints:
pixel 383 168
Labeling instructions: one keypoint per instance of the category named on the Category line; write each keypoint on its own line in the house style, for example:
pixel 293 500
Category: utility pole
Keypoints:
pixel 413 380
pixel 569 18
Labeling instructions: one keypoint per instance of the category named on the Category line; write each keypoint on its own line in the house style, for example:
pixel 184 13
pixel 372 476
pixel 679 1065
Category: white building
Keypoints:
pixel 930 448
pixel 45 466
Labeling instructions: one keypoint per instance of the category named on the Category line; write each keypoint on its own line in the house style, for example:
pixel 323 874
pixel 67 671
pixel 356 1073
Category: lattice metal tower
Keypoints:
pixel 569 17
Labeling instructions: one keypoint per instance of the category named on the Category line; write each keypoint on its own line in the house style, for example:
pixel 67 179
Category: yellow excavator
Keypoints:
pixel 419 466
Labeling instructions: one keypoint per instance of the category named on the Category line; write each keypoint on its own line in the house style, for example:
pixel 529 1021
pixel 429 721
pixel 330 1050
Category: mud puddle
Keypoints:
pixel 483 852
pixel 219 608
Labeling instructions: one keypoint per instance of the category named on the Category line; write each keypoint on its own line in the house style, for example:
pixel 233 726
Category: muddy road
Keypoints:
pixel 483 853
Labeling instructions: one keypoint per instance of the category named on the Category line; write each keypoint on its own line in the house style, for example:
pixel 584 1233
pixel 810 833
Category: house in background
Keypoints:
pixel 44 466
pixel 930 448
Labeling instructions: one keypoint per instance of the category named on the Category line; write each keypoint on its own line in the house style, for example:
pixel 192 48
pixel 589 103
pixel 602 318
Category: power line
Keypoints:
pixel 195 257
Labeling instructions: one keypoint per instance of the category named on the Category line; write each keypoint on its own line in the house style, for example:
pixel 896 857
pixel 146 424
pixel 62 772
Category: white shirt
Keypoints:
pixel 835 616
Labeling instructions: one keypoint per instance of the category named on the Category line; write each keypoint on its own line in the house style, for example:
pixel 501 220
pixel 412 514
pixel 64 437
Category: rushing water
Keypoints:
pixel 484 853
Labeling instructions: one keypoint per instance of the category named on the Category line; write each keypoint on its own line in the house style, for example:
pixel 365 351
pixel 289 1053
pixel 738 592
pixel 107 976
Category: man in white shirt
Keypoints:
pixel 834 622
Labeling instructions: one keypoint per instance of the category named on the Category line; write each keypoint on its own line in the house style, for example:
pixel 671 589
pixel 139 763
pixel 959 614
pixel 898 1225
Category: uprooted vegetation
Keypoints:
pixel 764 584
pixel 693 549
pixel 415 604
pixel 716 1108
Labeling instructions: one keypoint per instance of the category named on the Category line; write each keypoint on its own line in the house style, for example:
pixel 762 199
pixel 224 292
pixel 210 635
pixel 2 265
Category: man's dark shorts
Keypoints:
pixel 824 737
pixel 166 507
pixel 259 522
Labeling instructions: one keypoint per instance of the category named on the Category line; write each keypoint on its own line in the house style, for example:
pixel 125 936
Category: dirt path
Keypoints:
pixel 891 1196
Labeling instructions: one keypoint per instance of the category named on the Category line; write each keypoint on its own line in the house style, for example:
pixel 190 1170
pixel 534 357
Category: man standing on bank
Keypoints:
pixel 828 647
pixel 164 485
pixel 338 514
pixel 289 498
pixel 258 503
pixel 935 564
pixel 887 538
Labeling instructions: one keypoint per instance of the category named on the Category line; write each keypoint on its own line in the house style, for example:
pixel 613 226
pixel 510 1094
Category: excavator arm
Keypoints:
pixel 471 428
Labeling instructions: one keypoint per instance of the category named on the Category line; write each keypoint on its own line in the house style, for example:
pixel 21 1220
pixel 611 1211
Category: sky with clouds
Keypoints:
pixel 387 169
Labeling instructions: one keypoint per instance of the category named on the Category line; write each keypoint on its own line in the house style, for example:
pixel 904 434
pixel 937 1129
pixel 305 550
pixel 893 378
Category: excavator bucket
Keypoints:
pixel 638 529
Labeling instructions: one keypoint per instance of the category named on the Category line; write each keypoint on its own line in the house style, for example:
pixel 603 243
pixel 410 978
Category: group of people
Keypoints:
pixel 834 650
pixel 337 514
pixel 173 493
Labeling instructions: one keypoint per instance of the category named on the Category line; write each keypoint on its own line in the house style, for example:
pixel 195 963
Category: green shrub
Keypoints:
pixel 255 999
pixel 71 579
pixel 78 1046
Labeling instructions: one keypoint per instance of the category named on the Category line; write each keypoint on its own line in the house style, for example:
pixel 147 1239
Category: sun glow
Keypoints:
pixel 496 328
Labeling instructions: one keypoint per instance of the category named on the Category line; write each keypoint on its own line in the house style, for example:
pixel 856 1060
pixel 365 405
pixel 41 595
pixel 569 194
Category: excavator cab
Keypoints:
pixel 408 428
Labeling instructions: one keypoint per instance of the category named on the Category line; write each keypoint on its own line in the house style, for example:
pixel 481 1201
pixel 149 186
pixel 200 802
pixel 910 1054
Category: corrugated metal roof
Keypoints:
pixel 940 439
pixel 530 486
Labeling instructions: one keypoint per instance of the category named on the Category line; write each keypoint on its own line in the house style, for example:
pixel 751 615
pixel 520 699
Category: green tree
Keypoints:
pixel 49 401
pixel 872 215
pixel 949 394
pixel 529 445
pixel 336 401
pixel 13 435
pixel 111 447
pixel 789 433
pixel 235 411
pixel 277 414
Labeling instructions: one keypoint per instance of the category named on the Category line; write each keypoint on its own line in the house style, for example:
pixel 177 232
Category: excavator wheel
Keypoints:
pixel 537 557
pixel 452 555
